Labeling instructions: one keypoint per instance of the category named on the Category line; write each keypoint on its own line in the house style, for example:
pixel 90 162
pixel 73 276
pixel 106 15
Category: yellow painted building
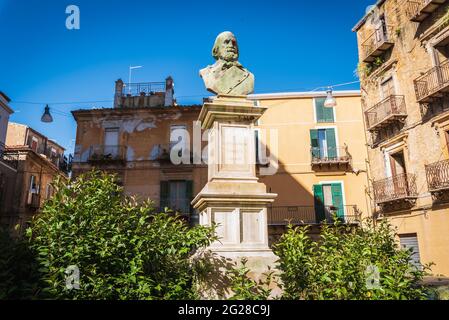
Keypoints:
pixel 403 68
pixel 321 154
pixel 133 140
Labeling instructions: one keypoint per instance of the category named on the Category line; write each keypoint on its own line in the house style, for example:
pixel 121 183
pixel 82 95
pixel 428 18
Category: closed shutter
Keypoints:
pixel 256 143
pixel 189 195
pixel 331 143
pixel 410 242
pixel 337 199
pixel 164 195
pixel 314 143
pixel 319 202
pixel 323 114
pixel 319 109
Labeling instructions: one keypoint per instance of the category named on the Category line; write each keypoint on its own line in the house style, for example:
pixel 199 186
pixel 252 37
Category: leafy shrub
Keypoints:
pixel 18 268
pixel 123 250
pixel 246 288
pixel 339 266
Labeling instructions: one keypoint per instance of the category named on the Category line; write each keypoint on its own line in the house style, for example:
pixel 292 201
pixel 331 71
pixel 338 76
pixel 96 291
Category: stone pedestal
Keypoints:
pixel 233 198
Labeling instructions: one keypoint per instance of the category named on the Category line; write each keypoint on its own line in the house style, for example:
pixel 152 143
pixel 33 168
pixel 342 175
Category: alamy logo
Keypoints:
pixel 72 22
pixel 72 280
pixel 372 275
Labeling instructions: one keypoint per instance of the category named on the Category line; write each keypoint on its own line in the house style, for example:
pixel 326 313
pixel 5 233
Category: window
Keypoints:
pixel 324 143
pixel 111 139
pixel 328 199
pixel 410 242
pixel 34 144
pixel 323 114
pixel 176 195
pixel 49 192
pixel 395 163
pixel 387 88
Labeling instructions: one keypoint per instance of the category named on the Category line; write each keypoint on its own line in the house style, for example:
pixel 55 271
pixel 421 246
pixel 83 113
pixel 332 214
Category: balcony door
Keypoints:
pixel 176 195
pixel 398 173
pixel 328 200
pixel 387 88
pixel 324 144
pixel 111 137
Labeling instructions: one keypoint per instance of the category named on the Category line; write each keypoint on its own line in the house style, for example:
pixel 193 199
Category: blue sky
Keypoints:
pixel 288 45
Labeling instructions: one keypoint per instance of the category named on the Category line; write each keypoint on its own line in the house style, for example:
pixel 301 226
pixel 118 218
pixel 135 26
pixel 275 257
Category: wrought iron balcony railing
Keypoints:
pixel 438 176
pixel 102 153
pixel 142 89
pixel 398 187
pixel 391 109
pixel 9 157
pixel 379 41
pixel 337 155
pixel 432 83
pixel 308 215
pixel 163 152
pixel 418 10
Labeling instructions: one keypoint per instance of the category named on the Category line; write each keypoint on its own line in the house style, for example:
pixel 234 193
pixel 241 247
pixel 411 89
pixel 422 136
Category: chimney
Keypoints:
pixel 169 92
pixel 118 93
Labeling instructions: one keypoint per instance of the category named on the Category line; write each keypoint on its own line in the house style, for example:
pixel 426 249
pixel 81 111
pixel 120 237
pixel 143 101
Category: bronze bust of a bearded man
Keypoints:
pixel 227 76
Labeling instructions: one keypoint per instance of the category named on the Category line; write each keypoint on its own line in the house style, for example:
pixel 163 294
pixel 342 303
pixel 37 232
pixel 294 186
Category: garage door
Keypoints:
pixel 410 241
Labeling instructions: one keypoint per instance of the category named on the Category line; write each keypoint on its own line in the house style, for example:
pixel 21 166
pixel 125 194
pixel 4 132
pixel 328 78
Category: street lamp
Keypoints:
pixel 330 101
pixel 46 117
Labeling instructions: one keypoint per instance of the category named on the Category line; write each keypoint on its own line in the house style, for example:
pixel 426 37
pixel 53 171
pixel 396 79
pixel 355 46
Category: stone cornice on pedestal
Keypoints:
pixel 228 108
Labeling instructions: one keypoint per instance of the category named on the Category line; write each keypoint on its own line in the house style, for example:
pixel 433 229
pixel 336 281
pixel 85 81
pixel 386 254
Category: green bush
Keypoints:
pixel 244 287
pixel 340 265
pixel 123 250
pixel 18 268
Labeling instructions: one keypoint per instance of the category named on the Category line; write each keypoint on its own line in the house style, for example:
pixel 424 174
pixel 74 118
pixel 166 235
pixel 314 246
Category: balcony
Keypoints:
pixel 388 111
pixel 377 43
pixel 419 10
pixel 433 83
pixel 330 156
pixel 10 158
pixel 438 179
pixel 34 201
pixel 307 215
pixel 399 189
pixel 163 151
pixel 107 154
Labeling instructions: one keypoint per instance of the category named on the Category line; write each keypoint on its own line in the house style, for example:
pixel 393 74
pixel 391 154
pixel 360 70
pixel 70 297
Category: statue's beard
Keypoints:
pixel 230 56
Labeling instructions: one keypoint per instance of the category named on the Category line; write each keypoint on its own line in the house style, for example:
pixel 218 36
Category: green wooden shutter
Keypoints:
pixel 164 194
pixel 337 199
pixel 189 195
pixel 314 143
pixel 256 137
pixel 323 114
pixel 319 108
pixel 319 202
pixel 331 143
pixel 328 114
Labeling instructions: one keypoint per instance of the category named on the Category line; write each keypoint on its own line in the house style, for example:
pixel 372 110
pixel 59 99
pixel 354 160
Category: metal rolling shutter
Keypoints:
pixel 410 241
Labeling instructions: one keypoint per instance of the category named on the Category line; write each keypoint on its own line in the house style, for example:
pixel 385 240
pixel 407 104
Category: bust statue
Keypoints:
pixel 227 75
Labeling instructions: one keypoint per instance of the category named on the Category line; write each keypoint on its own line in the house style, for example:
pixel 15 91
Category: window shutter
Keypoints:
pixel 256 137
pixel 319 202
pixel 328 114
pixel 164 194
pixel 319 108
pixel 189 195
pixel 337 199
pixel 314 143
pixel 331 143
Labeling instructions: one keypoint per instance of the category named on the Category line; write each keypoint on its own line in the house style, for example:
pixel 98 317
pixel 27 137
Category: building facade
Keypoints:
pixel 34 162
pixel 315 159
pixel 403 51
pixel 321 157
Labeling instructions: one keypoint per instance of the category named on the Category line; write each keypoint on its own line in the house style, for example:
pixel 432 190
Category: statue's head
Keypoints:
pixel 226 47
